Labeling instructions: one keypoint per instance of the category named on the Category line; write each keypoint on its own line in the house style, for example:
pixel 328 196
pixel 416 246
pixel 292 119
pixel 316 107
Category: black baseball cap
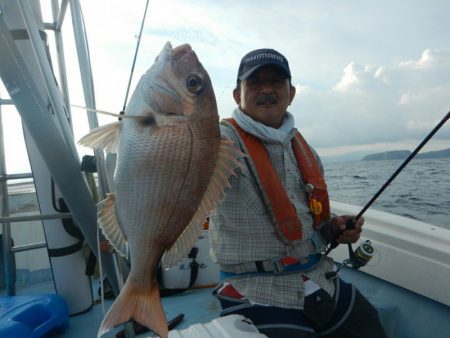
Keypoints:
pixel 258 58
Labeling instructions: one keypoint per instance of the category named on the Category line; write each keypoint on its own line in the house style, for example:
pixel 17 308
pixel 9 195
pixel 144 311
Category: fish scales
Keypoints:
pixel 172 168
pixel 174 163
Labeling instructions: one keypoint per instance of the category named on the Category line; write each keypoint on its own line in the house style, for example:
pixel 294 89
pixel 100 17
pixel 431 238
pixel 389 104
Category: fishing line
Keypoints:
pixel 224 89
pixel 134 60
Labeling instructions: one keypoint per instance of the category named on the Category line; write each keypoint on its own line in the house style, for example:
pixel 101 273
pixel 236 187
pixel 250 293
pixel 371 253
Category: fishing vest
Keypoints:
pixel 283 214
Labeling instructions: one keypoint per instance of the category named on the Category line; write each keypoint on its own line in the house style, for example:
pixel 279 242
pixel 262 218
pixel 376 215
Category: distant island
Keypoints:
pixel 403 154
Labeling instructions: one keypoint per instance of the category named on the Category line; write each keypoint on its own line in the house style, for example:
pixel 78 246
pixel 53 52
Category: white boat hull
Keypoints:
pixel 409 253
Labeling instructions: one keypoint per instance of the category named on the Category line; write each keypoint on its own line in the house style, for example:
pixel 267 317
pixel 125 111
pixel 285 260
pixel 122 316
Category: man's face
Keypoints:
pixel 265 96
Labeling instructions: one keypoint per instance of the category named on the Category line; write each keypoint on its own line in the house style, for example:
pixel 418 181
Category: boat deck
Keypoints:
pixel 197 306
pixel 402 312
pixel 399 309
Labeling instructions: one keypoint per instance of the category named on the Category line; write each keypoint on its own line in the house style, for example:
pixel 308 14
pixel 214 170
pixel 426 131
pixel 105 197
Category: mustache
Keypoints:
pixel 267 98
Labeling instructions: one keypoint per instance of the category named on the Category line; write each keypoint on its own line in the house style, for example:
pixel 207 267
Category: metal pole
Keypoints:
pixel 89 95
pixel 61 13
pixel 47 74
pixel 38 217
pixel 28 247
pixel 2 101
pixel 58 17
pixel 4 177
pixel 64 169
pixel 88 88
pixel 6 227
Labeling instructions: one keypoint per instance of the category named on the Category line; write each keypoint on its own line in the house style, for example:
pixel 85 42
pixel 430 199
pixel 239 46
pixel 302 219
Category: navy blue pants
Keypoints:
pixel 348 314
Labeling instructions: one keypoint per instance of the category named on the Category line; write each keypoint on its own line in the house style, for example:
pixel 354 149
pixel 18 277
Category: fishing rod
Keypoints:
pixel 134 59
pixel 364 252
pixel 400 168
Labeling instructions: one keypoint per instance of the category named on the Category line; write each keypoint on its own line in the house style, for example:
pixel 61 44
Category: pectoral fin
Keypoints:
pixel 108 222
pixel 226 164
pixel 104 137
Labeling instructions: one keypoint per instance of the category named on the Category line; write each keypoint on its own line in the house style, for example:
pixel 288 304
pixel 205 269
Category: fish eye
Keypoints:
pixel 194 83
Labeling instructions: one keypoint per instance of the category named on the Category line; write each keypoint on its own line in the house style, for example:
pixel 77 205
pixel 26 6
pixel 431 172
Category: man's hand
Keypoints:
pixel 344 234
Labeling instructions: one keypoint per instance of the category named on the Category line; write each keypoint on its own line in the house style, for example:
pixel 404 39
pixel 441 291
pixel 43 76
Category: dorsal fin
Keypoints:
pixel 226 164
pixel 104 137
pixel 108 222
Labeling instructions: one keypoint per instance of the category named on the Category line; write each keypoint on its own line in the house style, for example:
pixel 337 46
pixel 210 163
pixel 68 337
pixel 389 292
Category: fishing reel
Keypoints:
pixel 362 255
pixel 357 259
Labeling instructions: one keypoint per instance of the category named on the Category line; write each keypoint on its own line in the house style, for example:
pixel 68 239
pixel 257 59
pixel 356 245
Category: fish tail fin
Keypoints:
pixel 142 306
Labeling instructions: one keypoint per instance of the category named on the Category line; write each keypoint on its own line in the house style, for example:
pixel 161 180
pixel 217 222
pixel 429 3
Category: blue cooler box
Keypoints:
pixel 32 316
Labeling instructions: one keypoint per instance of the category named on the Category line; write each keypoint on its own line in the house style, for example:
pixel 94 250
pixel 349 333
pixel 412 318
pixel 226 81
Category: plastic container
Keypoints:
pixel 32 316
pixel 178 276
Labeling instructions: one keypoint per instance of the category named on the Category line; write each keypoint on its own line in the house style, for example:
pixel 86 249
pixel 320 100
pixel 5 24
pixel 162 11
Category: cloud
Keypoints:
pixel 357 77
pixel 378 104
pixel 430 59
pixel 356 85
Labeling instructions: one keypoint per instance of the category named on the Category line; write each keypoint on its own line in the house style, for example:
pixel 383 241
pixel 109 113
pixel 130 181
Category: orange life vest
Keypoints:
pixel 283 214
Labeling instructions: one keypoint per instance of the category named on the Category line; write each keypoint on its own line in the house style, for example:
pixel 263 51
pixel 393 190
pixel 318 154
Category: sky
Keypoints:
pixel 371 76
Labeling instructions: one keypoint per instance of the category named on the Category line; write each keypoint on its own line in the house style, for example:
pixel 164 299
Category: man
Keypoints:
pixel 270 232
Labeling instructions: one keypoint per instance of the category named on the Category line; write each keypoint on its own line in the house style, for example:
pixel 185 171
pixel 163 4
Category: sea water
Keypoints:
pixel 421 191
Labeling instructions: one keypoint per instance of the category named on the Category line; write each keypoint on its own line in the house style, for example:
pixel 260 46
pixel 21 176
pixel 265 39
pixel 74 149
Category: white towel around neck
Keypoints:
pixel 262 131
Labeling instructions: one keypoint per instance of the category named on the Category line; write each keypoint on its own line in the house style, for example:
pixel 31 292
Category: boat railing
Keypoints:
pixel 33 90
pixel 6 220
pixel 3 101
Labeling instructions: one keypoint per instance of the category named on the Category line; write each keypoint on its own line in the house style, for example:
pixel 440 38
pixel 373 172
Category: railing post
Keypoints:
pixel 6 227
